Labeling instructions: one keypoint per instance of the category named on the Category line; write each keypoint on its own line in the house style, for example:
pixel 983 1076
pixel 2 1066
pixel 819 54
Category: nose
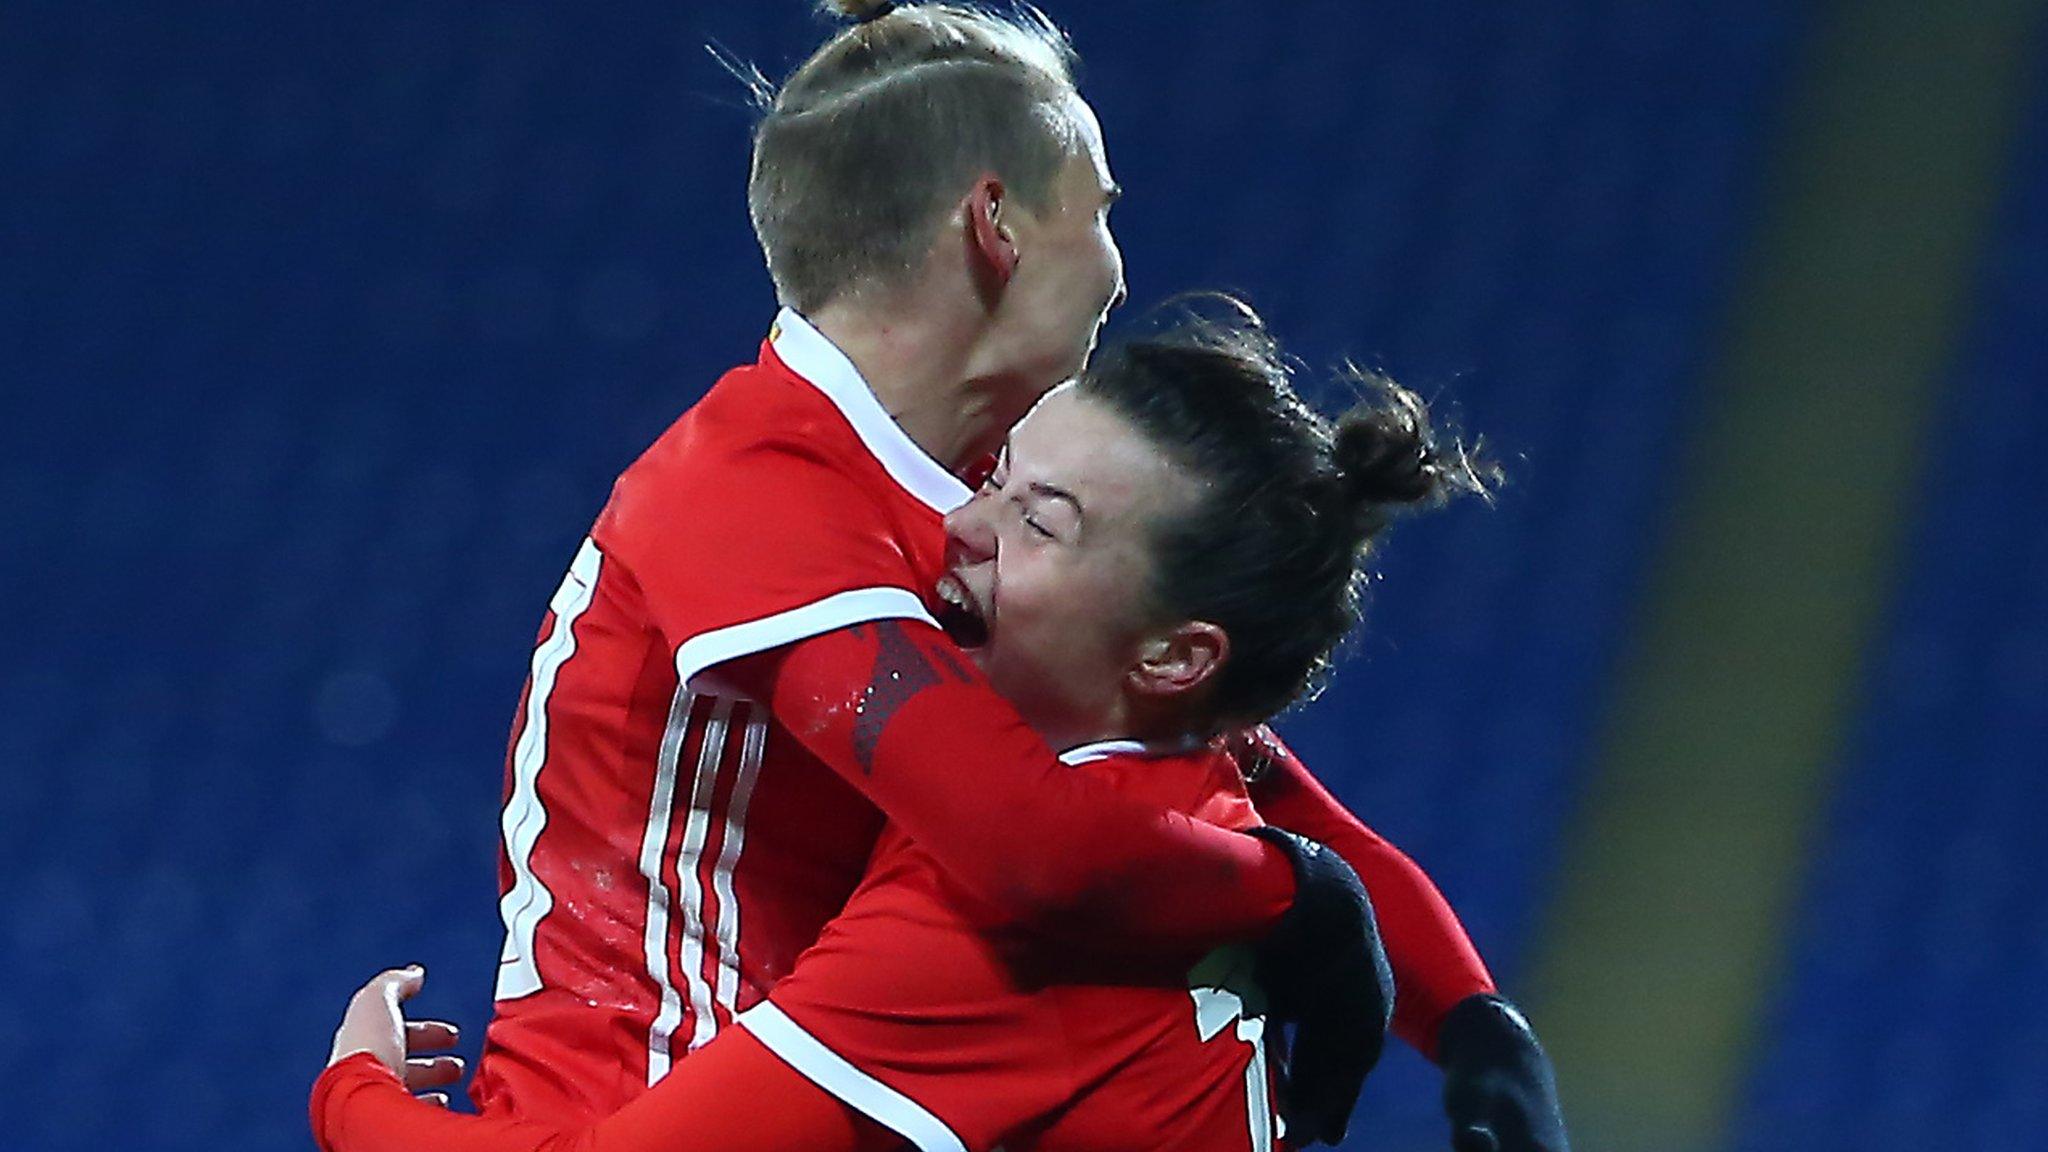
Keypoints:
pixel 970 532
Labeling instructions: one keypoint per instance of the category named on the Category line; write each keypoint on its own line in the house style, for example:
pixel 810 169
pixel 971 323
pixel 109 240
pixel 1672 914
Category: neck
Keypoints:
pixel 1121 719
pixel 1168 744
pixel 920 362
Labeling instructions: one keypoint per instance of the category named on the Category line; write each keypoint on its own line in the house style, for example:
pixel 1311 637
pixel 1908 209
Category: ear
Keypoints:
pixel 990 244
pixel 1178 662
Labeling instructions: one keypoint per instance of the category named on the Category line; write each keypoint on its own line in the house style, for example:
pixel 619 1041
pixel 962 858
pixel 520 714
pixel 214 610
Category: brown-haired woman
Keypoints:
pixel 931 195
pixel 1168 550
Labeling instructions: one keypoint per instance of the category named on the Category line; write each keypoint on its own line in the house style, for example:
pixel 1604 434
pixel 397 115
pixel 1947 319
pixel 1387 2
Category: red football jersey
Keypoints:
pixel 668 851
pixel 959 1036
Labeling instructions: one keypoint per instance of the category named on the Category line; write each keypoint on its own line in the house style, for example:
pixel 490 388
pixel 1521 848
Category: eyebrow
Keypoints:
pixel 1055 492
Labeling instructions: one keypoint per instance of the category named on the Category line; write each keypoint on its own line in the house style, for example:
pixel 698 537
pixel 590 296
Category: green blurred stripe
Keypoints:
pixel 1667 934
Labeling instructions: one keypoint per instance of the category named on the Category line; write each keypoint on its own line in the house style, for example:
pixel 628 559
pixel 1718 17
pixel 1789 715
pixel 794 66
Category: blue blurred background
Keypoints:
pixel 324 329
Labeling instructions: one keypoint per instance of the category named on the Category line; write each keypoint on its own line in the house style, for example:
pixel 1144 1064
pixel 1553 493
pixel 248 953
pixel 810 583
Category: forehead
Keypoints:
pixel 1089 129
pixel 1082 445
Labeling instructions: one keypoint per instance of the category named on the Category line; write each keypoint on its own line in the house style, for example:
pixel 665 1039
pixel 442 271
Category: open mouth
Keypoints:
pixel 958 615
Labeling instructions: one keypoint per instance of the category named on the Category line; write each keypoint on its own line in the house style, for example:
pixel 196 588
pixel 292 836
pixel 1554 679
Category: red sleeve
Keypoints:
pixel 732 1095
pixel 772 565
pixel 902 715
pixel 943 1028
pixel 909 1010
pixel 1435 962
pixel 737 549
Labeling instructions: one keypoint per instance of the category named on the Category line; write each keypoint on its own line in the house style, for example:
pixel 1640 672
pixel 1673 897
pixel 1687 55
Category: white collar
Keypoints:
pixel 1150 749
pixel 812 356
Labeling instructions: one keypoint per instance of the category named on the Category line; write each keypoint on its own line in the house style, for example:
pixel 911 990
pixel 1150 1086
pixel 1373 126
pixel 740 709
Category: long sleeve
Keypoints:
pixel 1435 963
pixel 897 711
pixel 822 618
pixel 732 1095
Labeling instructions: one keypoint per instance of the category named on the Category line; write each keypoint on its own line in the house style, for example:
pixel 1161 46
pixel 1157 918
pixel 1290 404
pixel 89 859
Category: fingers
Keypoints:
pixel 374 1021
pixel 437 1099
pixel 432 1072
pixel 430 1035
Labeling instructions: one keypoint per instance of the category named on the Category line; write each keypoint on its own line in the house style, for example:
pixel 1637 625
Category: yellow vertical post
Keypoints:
pixel 1678 879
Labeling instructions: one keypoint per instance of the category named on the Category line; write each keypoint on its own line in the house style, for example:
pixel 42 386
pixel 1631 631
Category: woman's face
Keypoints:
pixel 1049 565
pixel 1069 273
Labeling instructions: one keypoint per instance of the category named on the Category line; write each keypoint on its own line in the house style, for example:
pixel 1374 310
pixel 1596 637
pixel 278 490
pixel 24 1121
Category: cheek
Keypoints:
pixel 1087 268
pixel 1103 263
pixel 1042 606
pixel 1112 256
pixel 1033 596
pixel 1069 619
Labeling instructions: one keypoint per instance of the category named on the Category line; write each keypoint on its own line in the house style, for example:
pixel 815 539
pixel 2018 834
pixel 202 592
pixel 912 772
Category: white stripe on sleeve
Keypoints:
pixel 842 610
pixel 832 1072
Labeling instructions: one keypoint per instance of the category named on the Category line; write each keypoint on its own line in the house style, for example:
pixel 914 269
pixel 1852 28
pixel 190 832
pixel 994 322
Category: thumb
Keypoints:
pixel 397 985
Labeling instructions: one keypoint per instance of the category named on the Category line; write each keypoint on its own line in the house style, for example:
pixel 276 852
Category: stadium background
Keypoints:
pixel 324 328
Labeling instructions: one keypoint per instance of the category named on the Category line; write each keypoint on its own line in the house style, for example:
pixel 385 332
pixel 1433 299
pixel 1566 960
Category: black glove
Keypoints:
pixel 1324 972
pixel 1498 1088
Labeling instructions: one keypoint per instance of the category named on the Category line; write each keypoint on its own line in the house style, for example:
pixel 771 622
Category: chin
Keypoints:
pixel 1014 680
pixel 1081 361
pixel 1067 365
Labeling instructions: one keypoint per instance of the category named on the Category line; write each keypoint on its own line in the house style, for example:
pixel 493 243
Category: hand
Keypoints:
pixel 1499 1091
pixel 375 1023
pixel 1325 972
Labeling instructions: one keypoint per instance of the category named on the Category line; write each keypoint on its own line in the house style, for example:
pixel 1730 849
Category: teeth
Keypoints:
pixel 951 592
pixel 958 614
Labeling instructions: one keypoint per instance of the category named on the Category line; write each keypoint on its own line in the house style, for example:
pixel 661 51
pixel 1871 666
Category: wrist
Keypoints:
pixel 1277 882
pixel 360 1062
pixel 350 1069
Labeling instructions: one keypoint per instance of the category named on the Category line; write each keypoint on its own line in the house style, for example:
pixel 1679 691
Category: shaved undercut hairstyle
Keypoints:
pixel 864 148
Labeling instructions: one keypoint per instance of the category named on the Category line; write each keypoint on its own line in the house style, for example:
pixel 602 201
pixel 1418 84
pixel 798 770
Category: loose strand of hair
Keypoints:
pixel 760 90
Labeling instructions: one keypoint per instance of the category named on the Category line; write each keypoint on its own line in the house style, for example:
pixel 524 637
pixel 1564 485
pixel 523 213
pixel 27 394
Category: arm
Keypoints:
pixel 1435 963
pixel 823 618
pixel 732 1095
pixel 1499 1091
pixel 896 710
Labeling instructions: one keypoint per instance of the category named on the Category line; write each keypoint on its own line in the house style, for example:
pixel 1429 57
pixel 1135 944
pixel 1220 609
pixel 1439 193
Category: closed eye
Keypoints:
pixel 1026 513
